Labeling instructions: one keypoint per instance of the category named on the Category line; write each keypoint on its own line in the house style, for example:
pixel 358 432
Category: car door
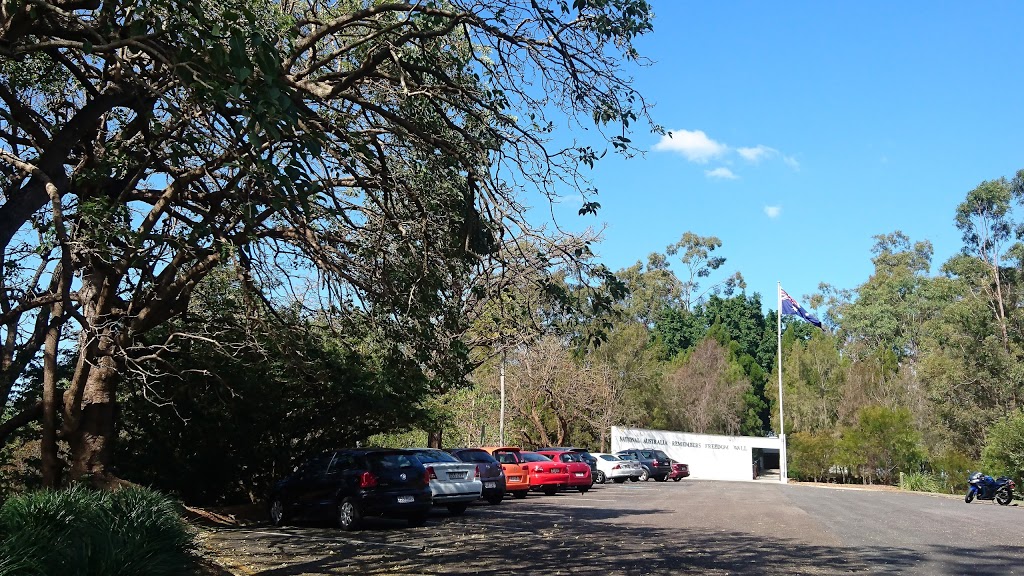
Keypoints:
pixel 308 486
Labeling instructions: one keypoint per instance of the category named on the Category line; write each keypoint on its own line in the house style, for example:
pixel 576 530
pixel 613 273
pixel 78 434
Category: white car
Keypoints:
pixel 453 482
pixel 611 467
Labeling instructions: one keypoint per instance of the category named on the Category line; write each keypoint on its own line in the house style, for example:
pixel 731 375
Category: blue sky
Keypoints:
pixel 805 128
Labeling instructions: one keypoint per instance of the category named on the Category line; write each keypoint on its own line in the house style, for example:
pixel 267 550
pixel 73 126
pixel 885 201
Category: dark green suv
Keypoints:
pixel 656 464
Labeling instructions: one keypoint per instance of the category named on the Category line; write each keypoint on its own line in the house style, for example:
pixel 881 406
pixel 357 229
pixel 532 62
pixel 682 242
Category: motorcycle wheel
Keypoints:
pixel 1004 496
pixel 969 497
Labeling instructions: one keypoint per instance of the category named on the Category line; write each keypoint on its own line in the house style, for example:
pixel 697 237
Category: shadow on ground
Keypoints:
pixel 553 540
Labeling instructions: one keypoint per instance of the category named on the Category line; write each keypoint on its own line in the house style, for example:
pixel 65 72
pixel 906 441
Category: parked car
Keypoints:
pixel 454 483
pixel 517 478
pixel 656 464
pixel 679 471
pixel 491 473
pixel 611 467
pixel 349 485
pixel 587 456
pixel 579 471
pixel 545 474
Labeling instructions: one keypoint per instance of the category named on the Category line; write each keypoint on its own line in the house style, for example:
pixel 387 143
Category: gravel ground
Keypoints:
pixel 701 527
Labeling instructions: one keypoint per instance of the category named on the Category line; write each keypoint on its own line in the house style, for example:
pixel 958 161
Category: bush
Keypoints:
pixel 953 468
pixel 1003 454
pixel 921 482
pixel 82 532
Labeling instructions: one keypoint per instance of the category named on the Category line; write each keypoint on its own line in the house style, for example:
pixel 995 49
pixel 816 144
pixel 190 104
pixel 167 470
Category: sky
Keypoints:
pixel 803 129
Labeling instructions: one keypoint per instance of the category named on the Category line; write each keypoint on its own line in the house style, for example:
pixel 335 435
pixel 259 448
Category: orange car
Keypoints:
pixel 517 478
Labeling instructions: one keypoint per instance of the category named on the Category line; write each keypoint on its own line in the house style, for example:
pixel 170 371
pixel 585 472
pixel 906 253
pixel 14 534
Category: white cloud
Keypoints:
pixel 722 173
pixel 791 162
pixel 757 153
pixel 695 146
pixel 773 211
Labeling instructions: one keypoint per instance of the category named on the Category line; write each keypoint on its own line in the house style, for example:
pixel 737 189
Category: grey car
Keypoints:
pixel 655 463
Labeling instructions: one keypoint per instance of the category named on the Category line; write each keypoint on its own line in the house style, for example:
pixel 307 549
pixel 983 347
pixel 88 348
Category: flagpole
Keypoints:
pixel 782 423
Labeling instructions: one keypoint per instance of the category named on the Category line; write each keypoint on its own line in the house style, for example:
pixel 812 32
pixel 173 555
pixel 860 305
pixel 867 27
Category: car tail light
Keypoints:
pixel 616 467
pixel 477 473
pixel 431 475
pixel 655 463
pixel 367 480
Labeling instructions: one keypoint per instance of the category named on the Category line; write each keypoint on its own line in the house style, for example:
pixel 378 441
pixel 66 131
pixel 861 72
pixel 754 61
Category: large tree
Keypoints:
pixel 354 156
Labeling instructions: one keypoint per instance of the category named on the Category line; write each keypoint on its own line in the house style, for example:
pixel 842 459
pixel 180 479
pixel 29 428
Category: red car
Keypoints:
pixel 545 474
pixel 579 471
pixel 679 471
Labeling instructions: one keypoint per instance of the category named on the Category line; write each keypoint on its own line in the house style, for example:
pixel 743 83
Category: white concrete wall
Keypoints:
pixel 709 456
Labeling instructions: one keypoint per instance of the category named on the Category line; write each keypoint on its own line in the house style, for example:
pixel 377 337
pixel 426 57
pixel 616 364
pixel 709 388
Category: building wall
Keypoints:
pixel 709 456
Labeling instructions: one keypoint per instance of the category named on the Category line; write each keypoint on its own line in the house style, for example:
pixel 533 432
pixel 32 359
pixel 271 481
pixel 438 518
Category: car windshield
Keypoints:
pixel 426 456
pixel 476 456
pixel 533 457
pixel 609 457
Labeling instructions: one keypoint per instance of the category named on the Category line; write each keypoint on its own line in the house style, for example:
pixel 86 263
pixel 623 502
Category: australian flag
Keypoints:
pixel 790 306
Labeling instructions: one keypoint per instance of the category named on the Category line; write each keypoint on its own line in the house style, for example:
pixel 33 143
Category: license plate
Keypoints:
pixel 490 484
pixel 457 475
pixel 515 478
pixel 580 474
pixel 405 499
pixel 556 470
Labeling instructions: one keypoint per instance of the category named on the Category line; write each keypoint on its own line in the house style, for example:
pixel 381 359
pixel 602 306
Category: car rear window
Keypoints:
pixel 609 457
pixel 476 456
pixel 427 456
pixel 390 461
pixel 533 457
pixel 660 455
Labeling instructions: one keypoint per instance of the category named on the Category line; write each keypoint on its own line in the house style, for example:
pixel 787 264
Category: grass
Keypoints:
pixel 83 532
pixel 921 482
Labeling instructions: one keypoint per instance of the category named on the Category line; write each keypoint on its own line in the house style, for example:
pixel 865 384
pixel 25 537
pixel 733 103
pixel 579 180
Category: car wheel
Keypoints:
pixel 494 500
pixel 634 478
pixel 458 509
pixel 599 477
pixel 418 520
pixel 550 490
pixel 660 478
pixel 277 517
pixel 645 476
pixel 349 516
pixel 520 494
pixel 583 490
pixel 676 479
pixel 618 480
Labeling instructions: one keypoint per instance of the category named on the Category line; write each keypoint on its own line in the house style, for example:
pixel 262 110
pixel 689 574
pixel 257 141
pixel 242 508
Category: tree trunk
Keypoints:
pixel 434 439
pixel 50 463
pixel 91 434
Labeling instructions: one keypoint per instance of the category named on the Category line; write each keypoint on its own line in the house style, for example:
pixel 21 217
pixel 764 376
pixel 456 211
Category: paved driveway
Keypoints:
pixel 659 528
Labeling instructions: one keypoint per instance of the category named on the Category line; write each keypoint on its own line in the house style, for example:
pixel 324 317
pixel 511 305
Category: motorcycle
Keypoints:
pixel 984 487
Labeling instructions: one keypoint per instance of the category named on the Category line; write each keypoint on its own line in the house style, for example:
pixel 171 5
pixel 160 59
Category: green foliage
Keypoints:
pixel 885 441
pixel 81 532
pixel 953 468
pixel 922 482
pixel 811 455
pixel 1003 454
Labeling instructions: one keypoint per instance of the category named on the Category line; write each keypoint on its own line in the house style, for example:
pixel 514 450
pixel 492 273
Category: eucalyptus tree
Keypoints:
pixel 358 156
pixel 697 254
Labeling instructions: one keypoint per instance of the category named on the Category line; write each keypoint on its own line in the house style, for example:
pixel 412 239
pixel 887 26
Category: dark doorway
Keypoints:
pixel 771 460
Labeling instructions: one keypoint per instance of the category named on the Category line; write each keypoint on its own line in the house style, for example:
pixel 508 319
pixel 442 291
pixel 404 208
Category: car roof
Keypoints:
pixel 502 448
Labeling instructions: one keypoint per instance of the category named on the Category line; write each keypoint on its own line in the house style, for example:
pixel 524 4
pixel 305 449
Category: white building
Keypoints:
pixel 709 456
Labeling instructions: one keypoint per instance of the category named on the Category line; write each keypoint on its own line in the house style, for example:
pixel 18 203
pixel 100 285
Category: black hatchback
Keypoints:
pixel 491 474
pixel 348 485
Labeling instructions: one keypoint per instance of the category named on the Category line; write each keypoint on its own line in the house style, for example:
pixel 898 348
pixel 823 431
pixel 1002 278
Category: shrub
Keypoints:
pixel 921 482
pixel 82 532
pixel 952 468
pixel 1004 447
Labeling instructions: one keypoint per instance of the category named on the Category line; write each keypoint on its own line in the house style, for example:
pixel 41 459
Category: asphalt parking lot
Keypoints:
pixel 692 526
